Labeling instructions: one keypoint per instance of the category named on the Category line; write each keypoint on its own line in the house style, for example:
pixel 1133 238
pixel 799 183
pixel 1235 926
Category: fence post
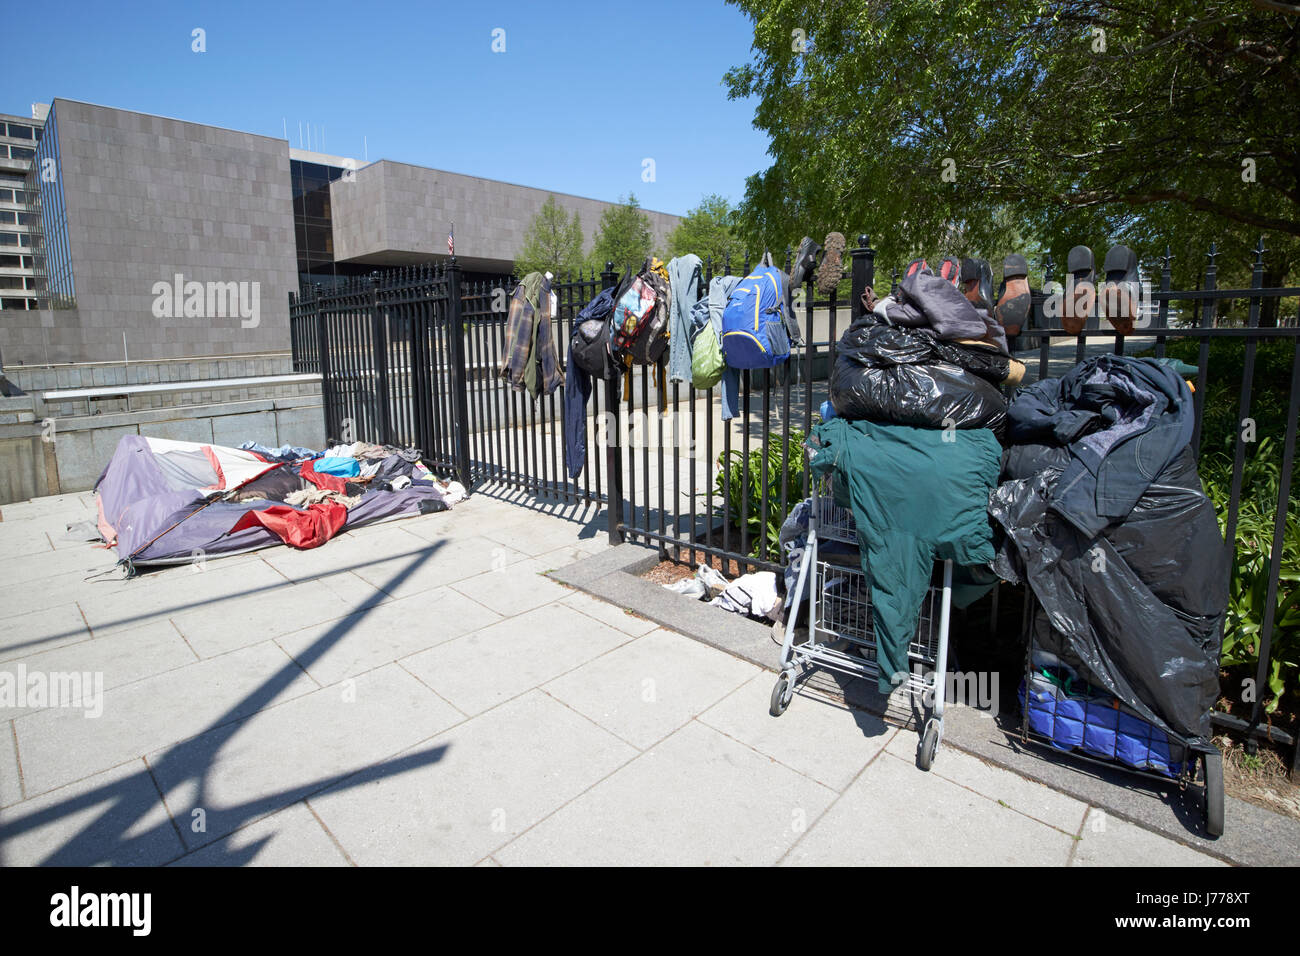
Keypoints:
pixel 323 365
pixel 460 378
pixel 379 355
pixel 863 273
pixel 613 452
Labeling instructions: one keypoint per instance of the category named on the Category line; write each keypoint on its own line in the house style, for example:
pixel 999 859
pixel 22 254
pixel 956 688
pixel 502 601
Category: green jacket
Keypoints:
pixel 918 495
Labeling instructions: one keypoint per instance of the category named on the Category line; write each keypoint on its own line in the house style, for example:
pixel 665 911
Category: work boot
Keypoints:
pixel 1081 298
pixel 831 271
pixel 1120 294
pixel 1013 306
pixel 805 261
pixel 977 283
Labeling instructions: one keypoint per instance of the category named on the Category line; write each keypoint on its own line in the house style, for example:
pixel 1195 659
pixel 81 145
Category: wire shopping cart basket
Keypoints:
pixel 840 633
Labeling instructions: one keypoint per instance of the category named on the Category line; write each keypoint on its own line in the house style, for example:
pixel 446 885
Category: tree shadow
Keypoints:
pixel 117 833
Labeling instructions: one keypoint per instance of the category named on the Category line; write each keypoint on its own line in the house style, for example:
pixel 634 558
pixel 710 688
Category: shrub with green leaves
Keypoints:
pixel 765 465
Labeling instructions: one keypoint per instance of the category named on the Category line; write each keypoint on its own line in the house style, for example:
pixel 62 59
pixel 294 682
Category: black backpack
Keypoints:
pixel 589 346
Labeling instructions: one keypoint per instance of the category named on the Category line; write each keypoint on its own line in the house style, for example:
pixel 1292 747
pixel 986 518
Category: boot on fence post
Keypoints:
pixel 864 274
pixel 460 380
pixel 613 453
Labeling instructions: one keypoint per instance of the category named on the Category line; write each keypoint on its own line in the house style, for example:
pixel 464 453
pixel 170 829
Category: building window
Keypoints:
pixel 21 152
pixel 18 131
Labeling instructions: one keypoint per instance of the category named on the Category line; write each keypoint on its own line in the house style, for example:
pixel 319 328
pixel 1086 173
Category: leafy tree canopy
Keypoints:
pixel 953 127
pixel 623 236
pixel 708 230
pixel 552 242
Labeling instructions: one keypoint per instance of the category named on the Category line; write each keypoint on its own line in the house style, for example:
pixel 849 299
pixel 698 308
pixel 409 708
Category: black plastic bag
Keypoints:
pixel 1141 606
pixel 897 376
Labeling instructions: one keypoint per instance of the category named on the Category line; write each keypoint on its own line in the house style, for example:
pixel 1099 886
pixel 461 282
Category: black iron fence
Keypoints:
pixel 411 357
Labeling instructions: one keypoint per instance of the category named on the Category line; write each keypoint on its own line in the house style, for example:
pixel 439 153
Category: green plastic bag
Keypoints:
pixel 706 358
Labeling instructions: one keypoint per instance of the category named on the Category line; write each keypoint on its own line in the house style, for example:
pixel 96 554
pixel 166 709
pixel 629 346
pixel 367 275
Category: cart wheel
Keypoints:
pixel 1213 764
pixel 929 745
pixel 781 694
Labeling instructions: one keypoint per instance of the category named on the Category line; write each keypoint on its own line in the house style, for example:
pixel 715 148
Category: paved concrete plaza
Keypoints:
pixel 418 692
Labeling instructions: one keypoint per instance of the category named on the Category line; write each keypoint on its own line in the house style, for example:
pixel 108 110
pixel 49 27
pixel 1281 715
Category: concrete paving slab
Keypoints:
pixel 497 775
pixel 697 798
pixel 36 631
pixel 514 588
pixel 360 642
pixel 239 773
pixel 897 815
pixel 292 837
pixel 73 505
pixel 141 600
pixel 1032 799
pixel 606 613
pixel 829 743
pixel 60 745
pixel 21 542
pixel 115 818
pixel 488 666
pixel 121 659
pixel 52 591
pixel 435 564
pixel 11 790
pixel 241 620
pixel 539 534
pixel 1105 840
pixel 19 570
pixel 648 688
pixel 388 541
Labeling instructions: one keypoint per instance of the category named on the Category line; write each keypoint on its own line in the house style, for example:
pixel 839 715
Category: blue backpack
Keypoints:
pixel 754 330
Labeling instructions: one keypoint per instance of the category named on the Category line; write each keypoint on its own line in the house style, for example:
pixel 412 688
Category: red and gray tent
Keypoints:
pixel 164 502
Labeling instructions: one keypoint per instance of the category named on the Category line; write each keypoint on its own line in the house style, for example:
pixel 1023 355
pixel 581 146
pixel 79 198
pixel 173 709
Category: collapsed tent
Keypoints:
pixel 163 501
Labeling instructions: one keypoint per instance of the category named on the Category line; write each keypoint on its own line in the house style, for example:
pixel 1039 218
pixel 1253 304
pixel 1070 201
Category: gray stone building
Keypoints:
pixel 157 239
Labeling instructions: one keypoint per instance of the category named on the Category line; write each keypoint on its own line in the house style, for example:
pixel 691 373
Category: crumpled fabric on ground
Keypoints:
pixel 453 492
pixel 1123 419
pixel 298 529
pixel 752 594
pixel 918 495
pixel 311 496
pixel 307 470
pixel 283 453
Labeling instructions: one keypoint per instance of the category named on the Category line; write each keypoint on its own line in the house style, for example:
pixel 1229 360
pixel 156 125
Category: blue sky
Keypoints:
pixel 584 92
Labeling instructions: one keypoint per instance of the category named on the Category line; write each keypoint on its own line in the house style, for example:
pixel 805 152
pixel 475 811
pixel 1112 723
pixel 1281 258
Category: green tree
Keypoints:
pixel 552 242
pixel 623 236
pixel 1088 121
pixel 708 230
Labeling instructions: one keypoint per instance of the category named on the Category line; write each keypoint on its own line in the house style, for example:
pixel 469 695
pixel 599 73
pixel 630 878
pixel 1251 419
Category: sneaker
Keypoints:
pixel 915 266
pixel 1120 292
pixel 1013 306
pixel 1081 297
pixel 831 271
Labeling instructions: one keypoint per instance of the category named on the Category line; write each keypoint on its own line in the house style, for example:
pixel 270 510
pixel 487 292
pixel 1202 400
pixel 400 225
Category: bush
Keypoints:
pixel 1261 479
pixel 765 464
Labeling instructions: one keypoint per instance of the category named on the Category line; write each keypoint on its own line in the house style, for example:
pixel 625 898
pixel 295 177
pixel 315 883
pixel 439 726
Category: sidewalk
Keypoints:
pixel 418 692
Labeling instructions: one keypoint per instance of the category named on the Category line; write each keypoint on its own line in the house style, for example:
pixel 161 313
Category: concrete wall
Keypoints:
pixel 149 198
pixel 35 460
pixel 395 212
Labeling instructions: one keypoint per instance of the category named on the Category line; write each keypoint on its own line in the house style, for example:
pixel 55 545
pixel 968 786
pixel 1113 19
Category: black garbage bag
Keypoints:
pixel 897 376
pixel 1140 606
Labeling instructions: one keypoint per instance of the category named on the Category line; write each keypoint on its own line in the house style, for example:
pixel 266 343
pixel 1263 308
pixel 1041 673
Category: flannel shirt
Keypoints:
pixel 530 349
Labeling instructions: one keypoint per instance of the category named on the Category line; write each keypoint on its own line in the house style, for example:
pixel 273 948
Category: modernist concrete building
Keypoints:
pixel 155 238
pixel 19 282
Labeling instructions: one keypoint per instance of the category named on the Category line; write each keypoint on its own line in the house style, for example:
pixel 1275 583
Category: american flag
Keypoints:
pixel 451 240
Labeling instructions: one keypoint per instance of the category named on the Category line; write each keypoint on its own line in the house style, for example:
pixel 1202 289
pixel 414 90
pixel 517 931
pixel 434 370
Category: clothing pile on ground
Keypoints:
pixel 163 502
pixel 753 595
pixel 1101 513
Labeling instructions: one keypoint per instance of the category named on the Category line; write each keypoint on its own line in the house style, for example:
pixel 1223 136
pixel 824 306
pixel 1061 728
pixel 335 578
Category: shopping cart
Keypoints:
pixel 840 633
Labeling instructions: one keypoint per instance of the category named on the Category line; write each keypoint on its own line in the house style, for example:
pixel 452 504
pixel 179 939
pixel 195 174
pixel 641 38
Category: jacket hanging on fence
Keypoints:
pixel 684 292
pixel 918 495
pixel 531 361
pixel 719 292
pixel 577 390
